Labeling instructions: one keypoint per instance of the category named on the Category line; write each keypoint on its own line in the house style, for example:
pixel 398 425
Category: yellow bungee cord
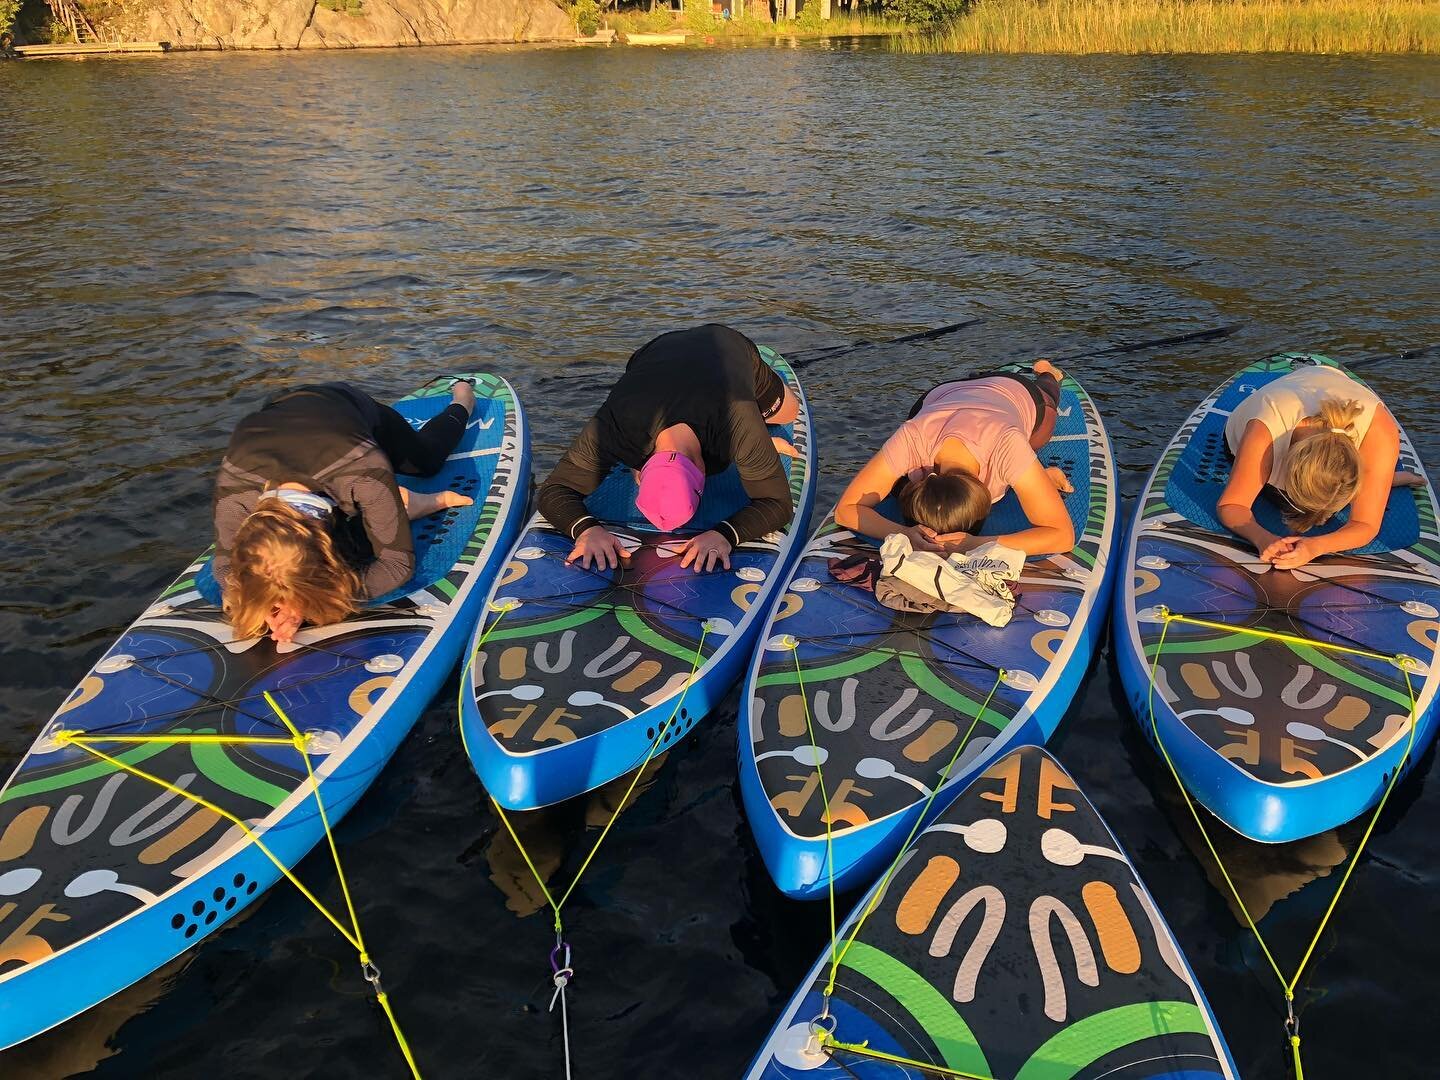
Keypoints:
pixel 822 1027
pixel 561 967
pixel 301 743
pixel 1405 664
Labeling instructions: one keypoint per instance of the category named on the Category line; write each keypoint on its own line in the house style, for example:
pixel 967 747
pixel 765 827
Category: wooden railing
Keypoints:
pixel 70 15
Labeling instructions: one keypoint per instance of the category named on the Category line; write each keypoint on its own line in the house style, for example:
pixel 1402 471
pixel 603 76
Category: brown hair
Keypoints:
pixel 946 502
pixel 1322 471
pixel 281 556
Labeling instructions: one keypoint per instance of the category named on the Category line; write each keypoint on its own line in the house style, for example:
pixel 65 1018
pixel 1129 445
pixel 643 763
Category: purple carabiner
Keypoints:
pixel 556 967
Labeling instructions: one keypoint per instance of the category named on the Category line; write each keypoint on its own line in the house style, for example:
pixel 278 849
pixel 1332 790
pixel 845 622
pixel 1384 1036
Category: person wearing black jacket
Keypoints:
pixel 690 404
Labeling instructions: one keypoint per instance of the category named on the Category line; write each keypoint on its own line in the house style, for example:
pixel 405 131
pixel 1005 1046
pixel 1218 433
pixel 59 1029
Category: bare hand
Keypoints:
pixel 783 447
pixel 598 544
pixel 1301 551
pixel 923 538
pixel 952 542
pixel 1274 546
pixel 708 551
pixel 1407 479
pixel 284 622
pixel 1059 479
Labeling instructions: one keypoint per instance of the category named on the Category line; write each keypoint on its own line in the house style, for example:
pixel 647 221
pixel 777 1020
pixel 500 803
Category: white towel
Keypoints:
pixel 977 582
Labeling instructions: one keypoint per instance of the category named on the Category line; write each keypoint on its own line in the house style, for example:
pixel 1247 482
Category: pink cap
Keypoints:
pixel 670 486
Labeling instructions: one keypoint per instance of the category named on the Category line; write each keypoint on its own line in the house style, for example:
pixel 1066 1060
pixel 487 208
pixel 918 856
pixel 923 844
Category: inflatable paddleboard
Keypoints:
pixel 1279 739
pixel 892 693
pixel 1014 941
pixel 581 668
pixel 104 875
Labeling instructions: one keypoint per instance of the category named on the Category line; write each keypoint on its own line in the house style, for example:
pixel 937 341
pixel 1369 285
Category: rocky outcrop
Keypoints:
pixel 304 24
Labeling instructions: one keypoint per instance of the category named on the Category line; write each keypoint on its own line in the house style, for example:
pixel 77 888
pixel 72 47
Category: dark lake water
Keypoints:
pixel 179 237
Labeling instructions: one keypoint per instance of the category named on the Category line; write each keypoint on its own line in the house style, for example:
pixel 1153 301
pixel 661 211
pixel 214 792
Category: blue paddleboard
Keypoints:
pixel 892 694
pixel 1278 738
pixel 581 669
pixel 105 876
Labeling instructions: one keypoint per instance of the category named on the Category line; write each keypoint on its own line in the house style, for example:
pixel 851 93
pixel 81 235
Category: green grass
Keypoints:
pixel 1187 26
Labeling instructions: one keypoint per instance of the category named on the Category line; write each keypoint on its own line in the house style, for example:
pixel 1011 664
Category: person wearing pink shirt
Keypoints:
pixel 964 445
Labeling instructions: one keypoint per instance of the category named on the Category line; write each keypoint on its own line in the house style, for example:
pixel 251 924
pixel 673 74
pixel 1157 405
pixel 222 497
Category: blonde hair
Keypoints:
pixel 281 556
pixel 946 502
pixel 1323 471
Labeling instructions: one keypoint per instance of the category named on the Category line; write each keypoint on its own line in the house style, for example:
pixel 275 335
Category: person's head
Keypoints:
pixel 670 487
pixel 285 558
pixel 1322 470
pixel 947 502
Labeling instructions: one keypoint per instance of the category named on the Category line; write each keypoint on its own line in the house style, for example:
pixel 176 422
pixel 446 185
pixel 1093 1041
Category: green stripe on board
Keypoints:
pixel 953 1038
pixel 921 675
pixel 446 587
pixel 179 586
pixel 1224 643
pixel 635 626
pixel 1077 1047
pixel 554 626
pixel 72 777
pixel 1085 557
pixel 852 666
pixel 211 759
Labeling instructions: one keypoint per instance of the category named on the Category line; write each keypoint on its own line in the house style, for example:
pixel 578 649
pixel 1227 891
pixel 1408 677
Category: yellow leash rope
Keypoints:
pixel 864 1050
pixel 1404 663
pixel 561 968
pixel 300 742
pixel 823 1034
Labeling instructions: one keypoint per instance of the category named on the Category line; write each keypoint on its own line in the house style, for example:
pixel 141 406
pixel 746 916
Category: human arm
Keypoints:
pixel 872 485
pixel 1051 531
pixel 581 470
pixel 1379 453
pixel 387 526
pixel 1248 475
pixel 770 503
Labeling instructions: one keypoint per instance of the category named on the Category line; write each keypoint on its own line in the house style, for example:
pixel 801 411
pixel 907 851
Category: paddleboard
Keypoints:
pixel 1014 941
pixel 1279 739
pixel 581 669
pixel 104 875
pixel 891 693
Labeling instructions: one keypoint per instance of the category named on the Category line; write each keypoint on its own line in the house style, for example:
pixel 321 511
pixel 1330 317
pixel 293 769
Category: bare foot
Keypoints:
pixel 419 504
pixel 463 393
pixel 1044 367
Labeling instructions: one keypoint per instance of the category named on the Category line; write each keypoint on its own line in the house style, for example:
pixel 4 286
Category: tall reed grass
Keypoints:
pixel 1187 26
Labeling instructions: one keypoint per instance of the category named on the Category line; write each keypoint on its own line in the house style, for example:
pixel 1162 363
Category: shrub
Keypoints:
pixel 925 12
pixel 8 10
pixel 699 18
pixel 586 14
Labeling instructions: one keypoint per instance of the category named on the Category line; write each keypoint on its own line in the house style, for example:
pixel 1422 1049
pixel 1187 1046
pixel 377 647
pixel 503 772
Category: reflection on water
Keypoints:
pixel 552 837
pixel 180 238
pixel 1263 874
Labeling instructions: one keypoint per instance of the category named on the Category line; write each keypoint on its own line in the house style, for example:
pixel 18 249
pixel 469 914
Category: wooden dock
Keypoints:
pixel 93 48
pixel 671 37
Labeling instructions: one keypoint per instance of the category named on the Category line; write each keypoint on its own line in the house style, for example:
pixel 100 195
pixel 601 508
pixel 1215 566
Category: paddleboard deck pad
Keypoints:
pixel 104 875
pixel 892 694
pixel 1014 941
pixel 1280 739
pixel 581 669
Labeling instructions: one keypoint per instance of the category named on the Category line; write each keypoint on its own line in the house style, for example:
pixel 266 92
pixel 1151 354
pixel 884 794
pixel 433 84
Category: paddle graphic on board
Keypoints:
pixel 1014 941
